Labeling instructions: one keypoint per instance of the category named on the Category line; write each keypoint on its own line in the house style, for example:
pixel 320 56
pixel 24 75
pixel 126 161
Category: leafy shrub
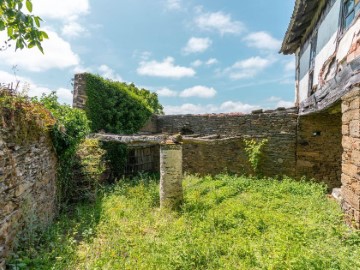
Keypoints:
pixel 116 158
pixel 69 131
pixel 117 107
pixel 89 170
pixel 25 119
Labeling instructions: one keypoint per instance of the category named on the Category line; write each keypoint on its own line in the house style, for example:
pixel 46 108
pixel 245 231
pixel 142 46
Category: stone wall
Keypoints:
pixel 79 96
pixel 350 177
pixel 27 183
pixel 319 147
pixel 278 126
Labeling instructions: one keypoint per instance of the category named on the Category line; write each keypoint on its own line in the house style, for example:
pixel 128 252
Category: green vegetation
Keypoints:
pixel 68 132
pixel 26 120
pixel 20 26
pixel 116 107
pixel 253 150
pixel 227 222
pixel 119 108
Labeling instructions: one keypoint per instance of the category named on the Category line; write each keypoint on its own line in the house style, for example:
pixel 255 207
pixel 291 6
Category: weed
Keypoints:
pixel 227 222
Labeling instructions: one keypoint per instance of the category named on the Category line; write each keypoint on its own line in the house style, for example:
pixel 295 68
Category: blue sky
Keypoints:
pixel 199 56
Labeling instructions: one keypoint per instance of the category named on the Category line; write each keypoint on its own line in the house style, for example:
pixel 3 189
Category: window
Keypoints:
pixel 313 42
pixel 313 51
pixel 350 10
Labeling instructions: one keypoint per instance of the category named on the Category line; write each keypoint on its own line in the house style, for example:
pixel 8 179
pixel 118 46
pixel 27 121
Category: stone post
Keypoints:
pixel 171 176
pixel 79 96
pixel 350 178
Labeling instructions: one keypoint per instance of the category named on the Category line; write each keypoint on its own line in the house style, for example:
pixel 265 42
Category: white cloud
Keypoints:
pixel 69 12
pixel 82 69
pixel 290 66
pixel 237 106
pixel 165 69
pixel 211 61
pixel 248 68
pixel 262 40
pixel 198 91
pixel 61 10
pixel 226 107
pixel 197 45
pixel 73 29
pixel 109 73
pixel 173 4
pixel 284 103
pixel 64 95
pixel 196 63
pixel 57 54
pixel 218 21
pixel 166 92
pixel 279 102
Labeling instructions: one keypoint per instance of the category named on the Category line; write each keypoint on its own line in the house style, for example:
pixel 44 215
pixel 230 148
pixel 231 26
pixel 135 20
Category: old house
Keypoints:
pixel 324 35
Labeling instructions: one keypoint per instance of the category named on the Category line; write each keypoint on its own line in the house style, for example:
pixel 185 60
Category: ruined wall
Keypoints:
pixel 350 177
pixel 278 126
pixel 79 96
pixel 27 184
pixel 319 147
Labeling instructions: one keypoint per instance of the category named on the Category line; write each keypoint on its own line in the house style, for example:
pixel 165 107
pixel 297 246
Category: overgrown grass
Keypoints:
pixel 227 222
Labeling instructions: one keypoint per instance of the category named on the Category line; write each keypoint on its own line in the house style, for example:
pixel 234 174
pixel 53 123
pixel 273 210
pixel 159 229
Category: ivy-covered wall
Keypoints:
pixel 28 171
pixel 119 108
pixel 114 107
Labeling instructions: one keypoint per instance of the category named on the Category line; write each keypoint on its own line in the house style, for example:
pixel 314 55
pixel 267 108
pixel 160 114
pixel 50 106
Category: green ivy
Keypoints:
pixel 117 107
pixel 253 149
pixel 120 108
pixel 69 131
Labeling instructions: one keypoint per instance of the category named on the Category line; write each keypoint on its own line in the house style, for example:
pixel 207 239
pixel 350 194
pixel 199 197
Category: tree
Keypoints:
pixel 23 28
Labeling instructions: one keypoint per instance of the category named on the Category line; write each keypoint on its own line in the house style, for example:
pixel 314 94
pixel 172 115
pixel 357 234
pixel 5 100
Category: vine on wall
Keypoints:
pixel 120 108
pixel 117 107
pixel 253 149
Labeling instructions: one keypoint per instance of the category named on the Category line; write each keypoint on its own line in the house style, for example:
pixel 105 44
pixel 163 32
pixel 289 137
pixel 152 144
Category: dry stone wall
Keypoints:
pixel 28 186
pixel 319 147
pixel 278 126
pixel 350 177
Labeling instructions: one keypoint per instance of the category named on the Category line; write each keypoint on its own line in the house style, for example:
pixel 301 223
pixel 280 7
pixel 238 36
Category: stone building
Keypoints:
pixel 325 38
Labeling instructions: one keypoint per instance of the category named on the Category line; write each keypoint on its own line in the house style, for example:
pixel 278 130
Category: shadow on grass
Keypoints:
pixel 56 246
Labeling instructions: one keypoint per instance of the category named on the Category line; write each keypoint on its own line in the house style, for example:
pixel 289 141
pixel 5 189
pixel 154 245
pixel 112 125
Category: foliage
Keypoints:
pixel 69 131
pixel 117 107
pixel 89 169
pixel 18 113
pixel 253 151
pixel 71 126
pixel 227 222
pixel 21 27
pixel 116 157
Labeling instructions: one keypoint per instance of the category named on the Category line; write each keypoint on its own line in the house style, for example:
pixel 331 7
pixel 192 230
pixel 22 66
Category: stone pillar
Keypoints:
pixel 79 96
pixel 350 178
pixel 171 176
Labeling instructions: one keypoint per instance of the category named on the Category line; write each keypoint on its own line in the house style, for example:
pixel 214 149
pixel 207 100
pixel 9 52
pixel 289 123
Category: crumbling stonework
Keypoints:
pixel 319 147
pixel 278 126
pixel 28 187
pixel 79 97
pixel 350 177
